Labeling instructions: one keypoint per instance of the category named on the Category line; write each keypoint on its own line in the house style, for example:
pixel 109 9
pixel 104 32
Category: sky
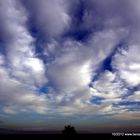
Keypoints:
pixel 69 62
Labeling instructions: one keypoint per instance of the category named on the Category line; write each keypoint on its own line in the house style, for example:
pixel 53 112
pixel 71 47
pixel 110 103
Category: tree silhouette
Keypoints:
pixel 69 130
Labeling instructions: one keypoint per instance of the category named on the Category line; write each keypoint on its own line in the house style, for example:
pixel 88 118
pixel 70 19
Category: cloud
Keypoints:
pixel 19 43
pixel 127 64
pixel 15 95
pixel 108 86
pixel 126 60
pixel 128 115
pixel 75 65
pixel 50 16
pixel 71 69
pixel 22 71
pixel 40 49
pixel 2 60
pixel 134 97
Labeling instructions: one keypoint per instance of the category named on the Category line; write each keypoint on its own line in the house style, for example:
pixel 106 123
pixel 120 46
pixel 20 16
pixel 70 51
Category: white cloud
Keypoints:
pixel 127 64
pixel 71 69
pixel 134 97
pixel 1 60
pixel 127 115
pixel 102 43
pixel 108 87
pixel 19 44
pixel 107 108
pixel 8 110
pixel 75 64
pixel 71 77
pixel 51 16
pixel 15 96
pixel 24 71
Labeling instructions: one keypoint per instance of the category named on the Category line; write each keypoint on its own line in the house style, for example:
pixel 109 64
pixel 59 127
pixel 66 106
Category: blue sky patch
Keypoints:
pixel 97 100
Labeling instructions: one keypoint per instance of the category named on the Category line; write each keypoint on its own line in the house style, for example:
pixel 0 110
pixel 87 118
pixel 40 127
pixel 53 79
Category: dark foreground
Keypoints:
pixel 62 136
pixel 66 134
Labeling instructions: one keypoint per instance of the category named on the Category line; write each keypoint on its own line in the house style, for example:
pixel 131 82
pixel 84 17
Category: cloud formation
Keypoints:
pixel 53 56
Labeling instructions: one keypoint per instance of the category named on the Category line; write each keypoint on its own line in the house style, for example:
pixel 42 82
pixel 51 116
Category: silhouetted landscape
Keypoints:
pixel 67 131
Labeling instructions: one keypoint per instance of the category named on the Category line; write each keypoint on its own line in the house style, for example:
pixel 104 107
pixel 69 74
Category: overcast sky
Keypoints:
pixel 69 62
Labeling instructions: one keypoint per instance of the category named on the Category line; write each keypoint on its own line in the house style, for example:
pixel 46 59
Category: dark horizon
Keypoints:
pixel 129 129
